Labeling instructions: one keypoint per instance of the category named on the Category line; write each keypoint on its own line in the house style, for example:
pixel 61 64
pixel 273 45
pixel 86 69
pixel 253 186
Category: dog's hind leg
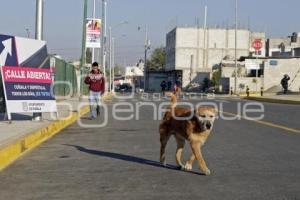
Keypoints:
pixel 164 137
pixel 180 146
pixel 197 152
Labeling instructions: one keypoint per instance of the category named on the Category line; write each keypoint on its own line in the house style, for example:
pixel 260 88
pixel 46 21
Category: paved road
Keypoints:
pixel 248 160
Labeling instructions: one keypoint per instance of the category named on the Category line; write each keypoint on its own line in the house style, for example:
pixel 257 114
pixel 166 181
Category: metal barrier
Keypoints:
pixel 65 73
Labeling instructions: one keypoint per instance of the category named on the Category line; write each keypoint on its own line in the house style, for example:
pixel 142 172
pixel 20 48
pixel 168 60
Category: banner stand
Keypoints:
pixel 27 90
pixel 7 116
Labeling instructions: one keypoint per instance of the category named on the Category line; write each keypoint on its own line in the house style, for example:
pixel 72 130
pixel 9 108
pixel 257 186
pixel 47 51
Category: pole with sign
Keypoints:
pixel 257 45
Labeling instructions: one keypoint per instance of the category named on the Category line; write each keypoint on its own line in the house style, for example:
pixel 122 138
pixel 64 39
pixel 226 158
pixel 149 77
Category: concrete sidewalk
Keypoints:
pixel 273 98
pixel 23 134
pixel 23 125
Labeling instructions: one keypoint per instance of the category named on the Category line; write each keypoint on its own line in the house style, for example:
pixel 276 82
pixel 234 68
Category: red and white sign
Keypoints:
pixel 28 90
pixel 26 75
pixel 93 33
pixel 257 44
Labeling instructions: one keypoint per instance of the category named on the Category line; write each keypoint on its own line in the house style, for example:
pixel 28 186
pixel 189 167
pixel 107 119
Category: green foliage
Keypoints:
pixel 242 86
pixel 216 77
pixel 158 59
pixel 119 70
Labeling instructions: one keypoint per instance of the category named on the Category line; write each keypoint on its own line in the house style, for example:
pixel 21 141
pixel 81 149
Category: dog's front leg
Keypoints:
pixel 189 164
pixel 196 148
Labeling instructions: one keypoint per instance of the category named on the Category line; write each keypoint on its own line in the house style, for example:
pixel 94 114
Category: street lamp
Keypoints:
pixel 83 48
pixel 111 62
pixel 104 37
pixel 94 17
pixel 27 32
pixel 39 24
pixel 235 49
pixel 39 19
pixel 147 47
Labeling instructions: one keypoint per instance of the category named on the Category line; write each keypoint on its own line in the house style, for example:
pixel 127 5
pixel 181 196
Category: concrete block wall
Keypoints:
pixel 196 77
pixel 189 38
pixel 208 47
pixel 247 81
pixel 170 50
pixel 183 58
pixel 274 73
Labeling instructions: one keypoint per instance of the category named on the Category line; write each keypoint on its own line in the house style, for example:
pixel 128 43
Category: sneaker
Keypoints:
pixel 98 110
pixel 92 118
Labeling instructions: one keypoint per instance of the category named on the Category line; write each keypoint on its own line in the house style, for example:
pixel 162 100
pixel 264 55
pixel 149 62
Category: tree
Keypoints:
pixel 216 77
pixel 119 70
pixel 158 59
pixel 241 86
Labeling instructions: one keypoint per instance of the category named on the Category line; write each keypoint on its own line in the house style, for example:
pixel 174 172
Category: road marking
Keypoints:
pixel 222 101
pixel 265 123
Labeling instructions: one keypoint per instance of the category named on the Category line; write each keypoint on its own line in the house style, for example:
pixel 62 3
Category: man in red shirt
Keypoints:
pixel 96 82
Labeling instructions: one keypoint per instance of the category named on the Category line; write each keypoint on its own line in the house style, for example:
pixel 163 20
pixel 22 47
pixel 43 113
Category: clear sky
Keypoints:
pixel 63 20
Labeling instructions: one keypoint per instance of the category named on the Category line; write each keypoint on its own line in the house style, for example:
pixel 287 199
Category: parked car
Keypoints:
pixel 125 87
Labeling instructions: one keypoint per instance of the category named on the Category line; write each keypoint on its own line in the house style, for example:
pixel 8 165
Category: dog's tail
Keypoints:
pixel 173 99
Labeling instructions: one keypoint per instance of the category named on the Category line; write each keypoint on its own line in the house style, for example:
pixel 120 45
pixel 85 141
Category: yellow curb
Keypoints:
pixel 251 95
pixel 13 151
pixel 269 100
pixel 107 97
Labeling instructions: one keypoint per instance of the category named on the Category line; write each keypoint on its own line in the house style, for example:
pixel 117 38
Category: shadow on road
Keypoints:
pixel 129 158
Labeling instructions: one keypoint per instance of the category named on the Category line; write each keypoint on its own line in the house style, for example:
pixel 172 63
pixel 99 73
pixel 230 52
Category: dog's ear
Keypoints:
pixel 216 110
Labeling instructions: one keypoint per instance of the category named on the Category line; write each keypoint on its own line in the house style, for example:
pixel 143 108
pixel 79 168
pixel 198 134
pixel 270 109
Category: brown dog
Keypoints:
pixel 192 125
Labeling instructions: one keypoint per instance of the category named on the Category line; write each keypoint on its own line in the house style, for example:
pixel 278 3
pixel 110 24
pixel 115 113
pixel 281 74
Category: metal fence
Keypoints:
pixel 65 78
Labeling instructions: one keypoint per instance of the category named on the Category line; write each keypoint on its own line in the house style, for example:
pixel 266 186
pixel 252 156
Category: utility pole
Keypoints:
pixel 83 47
pixel 205 38
pixel 147 47
pixel 39 19
pixel 28 32
pixel 39 22
pixel 113 63
pixel 111 57
pixel 104 36
pixel 205 17
pixel 191 68
pixel 110 60
pixel 94 17
pixel 235 51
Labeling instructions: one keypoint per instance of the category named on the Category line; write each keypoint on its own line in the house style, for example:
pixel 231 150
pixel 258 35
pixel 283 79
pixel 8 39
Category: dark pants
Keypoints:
pixel 163 90
pixel 285 90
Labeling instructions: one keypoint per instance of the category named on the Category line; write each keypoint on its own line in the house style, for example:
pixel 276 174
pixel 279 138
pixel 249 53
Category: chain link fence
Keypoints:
pixel 65 78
